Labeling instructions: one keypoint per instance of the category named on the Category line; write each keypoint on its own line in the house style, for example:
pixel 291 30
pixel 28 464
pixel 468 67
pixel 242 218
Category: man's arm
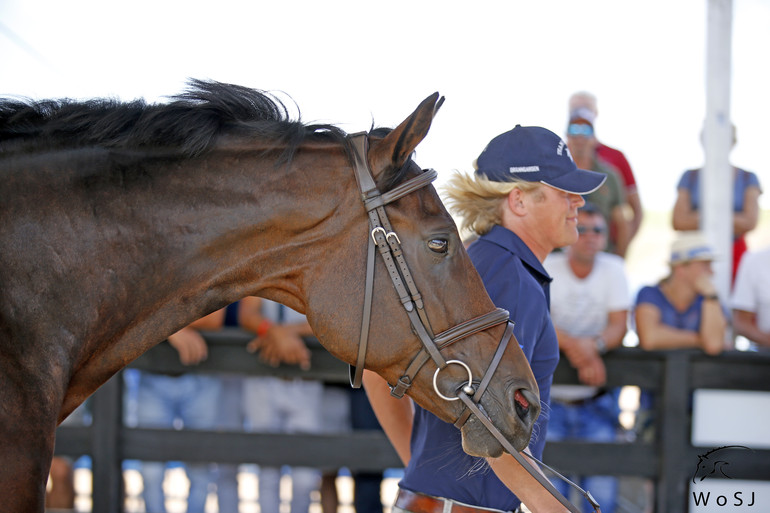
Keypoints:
pixel 683 217
pixel 747 219
pixel 622 229
pixel 617 325
pixel 713 324
pixel 213 321
pixel 526 487
pixel 745 324
pixel 637 213
pixel 395 415
pixel 583 354
pixel 654 335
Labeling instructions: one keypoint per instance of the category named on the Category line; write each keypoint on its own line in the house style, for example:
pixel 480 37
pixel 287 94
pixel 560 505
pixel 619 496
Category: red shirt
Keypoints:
pixel 617 160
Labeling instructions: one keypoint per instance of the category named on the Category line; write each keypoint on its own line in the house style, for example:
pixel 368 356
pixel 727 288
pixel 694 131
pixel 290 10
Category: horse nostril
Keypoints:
pixel 520 399
pixel 521 404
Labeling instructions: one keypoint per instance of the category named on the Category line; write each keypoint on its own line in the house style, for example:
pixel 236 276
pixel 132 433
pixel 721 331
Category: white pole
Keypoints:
pixel 716 183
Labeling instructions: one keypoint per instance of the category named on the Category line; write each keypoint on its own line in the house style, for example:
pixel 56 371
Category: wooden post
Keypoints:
pixel 106 449
pixel 672 433
pixel 716 184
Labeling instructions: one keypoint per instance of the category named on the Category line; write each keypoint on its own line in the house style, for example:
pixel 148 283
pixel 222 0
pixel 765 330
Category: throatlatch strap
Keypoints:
pixel 357 372
pixel 358 144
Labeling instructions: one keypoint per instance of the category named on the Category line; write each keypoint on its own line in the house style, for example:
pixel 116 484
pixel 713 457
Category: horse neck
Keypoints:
pixel 164 241
pixel 250 227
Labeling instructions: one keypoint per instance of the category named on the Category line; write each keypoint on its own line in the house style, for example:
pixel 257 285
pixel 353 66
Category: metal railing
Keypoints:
pixel 668 460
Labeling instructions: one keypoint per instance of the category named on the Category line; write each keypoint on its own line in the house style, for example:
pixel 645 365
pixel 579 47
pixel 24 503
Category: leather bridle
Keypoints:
pixel 385 241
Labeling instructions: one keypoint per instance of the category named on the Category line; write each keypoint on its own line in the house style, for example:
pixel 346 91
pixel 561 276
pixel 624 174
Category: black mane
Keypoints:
pixel 189 122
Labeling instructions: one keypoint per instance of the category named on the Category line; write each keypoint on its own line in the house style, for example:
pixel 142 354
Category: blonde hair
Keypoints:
pixel 478 201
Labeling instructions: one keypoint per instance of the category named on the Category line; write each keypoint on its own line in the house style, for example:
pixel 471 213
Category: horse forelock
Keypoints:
pixel 190 122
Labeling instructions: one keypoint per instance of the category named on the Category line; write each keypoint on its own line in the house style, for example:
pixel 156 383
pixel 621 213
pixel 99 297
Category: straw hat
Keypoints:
pixel 689 247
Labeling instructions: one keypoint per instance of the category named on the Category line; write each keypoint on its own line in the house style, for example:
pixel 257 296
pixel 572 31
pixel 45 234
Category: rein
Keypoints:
pixel 385 241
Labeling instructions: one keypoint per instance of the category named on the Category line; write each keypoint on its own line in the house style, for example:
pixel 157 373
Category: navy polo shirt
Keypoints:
pixel 515 280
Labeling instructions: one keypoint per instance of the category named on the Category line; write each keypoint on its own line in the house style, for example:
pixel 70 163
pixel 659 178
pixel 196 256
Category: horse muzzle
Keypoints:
pixel 514 416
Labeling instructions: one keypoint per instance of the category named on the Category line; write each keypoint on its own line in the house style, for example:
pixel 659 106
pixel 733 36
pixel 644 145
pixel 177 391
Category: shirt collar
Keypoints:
pixel 507 239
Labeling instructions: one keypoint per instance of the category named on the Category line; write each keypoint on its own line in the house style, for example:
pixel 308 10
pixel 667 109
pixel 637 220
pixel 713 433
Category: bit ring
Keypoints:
pixel 468 389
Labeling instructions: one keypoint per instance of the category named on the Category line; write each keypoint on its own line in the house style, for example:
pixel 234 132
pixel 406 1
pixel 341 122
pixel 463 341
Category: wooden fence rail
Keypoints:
pixel 669 460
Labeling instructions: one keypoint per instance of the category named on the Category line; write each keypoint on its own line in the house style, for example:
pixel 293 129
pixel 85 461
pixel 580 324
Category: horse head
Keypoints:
pixel 449 292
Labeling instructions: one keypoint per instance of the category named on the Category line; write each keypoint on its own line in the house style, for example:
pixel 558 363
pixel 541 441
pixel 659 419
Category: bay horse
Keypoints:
pixel 124 222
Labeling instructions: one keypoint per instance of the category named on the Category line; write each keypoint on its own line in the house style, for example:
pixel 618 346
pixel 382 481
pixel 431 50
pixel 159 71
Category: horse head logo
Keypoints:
pixel 714 462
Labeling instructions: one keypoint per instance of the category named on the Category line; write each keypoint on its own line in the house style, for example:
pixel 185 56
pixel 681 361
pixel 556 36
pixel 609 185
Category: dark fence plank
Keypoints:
pixel 361 450
pixel 669 460
pixel 588 458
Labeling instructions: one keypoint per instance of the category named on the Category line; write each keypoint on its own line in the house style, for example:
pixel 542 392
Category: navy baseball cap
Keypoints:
pixel 535 154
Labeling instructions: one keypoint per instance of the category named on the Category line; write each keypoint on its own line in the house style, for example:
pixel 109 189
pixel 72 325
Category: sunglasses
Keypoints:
pixel 580 130
pixel 598 230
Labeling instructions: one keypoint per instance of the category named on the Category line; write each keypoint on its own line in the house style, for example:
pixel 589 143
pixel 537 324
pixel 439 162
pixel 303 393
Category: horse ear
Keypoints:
pixel 395 149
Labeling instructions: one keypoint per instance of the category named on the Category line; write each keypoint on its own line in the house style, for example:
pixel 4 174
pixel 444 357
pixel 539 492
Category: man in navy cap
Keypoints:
pixel 522 202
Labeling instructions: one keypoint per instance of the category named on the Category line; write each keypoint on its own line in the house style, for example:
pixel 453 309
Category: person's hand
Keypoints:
pixel 593 372
pixel 281 345
pixel 705 286
pixel 580 351
pixel 190 345
pixel 583 354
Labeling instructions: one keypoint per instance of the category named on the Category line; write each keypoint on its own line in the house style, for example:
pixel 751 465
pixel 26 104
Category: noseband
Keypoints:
pixel 386 241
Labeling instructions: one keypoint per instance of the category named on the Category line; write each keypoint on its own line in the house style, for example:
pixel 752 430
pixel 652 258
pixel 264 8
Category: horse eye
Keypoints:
pixel 438 245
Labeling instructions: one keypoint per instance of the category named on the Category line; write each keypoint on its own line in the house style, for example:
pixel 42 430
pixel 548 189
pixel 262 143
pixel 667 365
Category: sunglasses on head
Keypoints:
pixel 598 230
pixel 580 130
